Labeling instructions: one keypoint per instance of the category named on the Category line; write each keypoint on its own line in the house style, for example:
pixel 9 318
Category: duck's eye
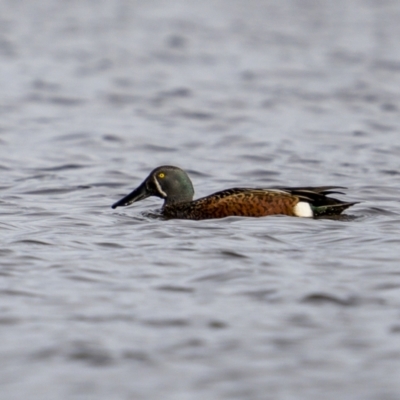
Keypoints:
pixel 161 175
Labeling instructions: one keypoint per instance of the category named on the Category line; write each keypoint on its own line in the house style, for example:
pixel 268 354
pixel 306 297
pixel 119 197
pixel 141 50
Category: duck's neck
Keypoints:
pixel 180 198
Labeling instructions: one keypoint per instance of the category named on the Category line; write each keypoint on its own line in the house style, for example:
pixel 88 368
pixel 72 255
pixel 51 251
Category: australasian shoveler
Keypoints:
pixel 174 186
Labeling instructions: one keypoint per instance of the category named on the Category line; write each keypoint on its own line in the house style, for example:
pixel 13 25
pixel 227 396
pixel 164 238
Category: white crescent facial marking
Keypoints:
pixel 158 186
pixel 303 209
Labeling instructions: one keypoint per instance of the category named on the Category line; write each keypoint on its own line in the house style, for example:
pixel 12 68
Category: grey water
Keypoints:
pixel 98 303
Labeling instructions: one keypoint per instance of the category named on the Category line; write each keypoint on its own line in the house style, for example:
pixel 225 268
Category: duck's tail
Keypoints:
pixel 319 200
pixel 331 209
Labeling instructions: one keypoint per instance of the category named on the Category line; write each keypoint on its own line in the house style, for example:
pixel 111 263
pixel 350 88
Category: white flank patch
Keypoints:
pixel 303 209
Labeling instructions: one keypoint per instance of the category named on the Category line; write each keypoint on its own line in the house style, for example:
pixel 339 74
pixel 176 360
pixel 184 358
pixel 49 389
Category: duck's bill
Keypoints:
pixel 138 194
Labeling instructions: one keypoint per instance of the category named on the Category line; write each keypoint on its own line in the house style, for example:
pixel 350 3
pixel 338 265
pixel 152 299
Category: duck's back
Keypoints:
pixel 300 202
pixel 235 202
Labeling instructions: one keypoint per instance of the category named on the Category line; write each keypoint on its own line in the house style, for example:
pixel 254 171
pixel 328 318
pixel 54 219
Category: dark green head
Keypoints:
pixel 167 182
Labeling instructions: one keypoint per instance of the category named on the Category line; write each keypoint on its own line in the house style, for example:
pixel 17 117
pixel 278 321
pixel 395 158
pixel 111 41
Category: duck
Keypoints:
pixel 173 185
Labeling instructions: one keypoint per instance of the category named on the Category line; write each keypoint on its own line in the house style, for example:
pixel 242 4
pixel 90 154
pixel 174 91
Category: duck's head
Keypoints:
pixel 167 182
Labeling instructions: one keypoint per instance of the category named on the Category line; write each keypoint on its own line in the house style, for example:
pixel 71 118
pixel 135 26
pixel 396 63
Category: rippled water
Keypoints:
pixel 100 303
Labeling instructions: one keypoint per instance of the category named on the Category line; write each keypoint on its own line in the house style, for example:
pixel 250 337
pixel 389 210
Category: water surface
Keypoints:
pixel 99 303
